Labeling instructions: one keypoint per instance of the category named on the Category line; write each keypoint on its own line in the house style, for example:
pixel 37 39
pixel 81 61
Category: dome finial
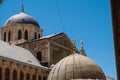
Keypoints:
pixel 81 42
pixel 22 8
pixel 74 46
pixel 82 51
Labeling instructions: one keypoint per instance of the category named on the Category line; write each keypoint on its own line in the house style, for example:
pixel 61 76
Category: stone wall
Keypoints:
pixel 14 70
pixel 51 51
pixel 41 46
pixel 58 52
pixel 14 28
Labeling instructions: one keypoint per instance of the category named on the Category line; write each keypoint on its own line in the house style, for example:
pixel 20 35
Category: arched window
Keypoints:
pixel 19 34
pixel 33 77
pixel 21 75
pixel 0 73
pixel 28 76
pixel 39 56
pixel 39 36
pixel 7 74
pixel 5 36
pixel 44 78
pixel 26 35
pixel 35 35
pixel 14 75
pixel 39 78
pixel 65 43
pixel 9 35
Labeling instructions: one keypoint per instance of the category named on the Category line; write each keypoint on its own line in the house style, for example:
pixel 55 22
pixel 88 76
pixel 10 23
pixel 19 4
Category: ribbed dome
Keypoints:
pixel 76 66
pixel 21 18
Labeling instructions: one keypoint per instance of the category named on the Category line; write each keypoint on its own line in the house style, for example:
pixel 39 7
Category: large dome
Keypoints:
pixel 77 67
pixel 21 18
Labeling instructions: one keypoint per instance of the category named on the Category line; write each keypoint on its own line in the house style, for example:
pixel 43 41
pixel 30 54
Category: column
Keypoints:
pixel 3 73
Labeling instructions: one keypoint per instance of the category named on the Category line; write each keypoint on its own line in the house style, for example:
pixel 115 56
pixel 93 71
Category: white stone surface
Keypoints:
pixel 50 35
pixel 17 53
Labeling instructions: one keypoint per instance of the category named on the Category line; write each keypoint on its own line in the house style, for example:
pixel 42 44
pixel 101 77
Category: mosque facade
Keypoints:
pixel 35 54
pixel 25 54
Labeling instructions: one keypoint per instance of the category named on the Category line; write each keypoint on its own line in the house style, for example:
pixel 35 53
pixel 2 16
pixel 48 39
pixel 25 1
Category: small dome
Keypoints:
pixel 21 18
pixel 76 66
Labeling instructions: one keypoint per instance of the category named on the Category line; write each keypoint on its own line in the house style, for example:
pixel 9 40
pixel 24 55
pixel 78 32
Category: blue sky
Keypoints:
pixel 86 19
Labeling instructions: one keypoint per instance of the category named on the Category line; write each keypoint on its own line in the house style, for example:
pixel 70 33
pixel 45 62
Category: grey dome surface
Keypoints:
pixel 21 18
pixel 76 66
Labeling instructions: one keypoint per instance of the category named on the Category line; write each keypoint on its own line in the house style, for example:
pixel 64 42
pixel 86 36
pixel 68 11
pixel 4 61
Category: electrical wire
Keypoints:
pixel 61 19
